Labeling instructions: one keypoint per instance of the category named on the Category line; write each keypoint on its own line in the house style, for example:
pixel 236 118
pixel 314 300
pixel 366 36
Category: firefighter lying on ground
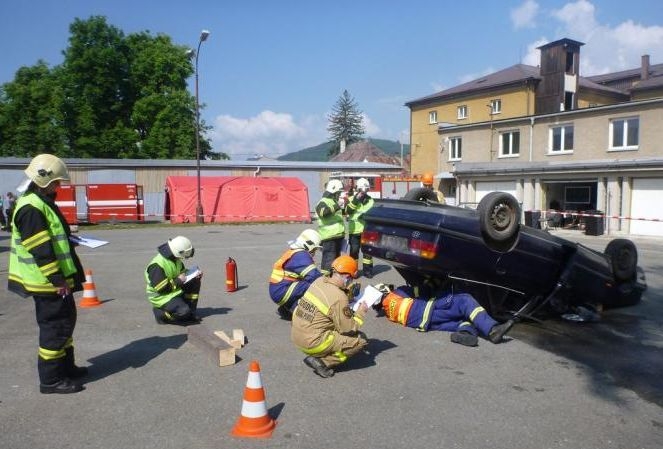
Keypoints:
pixel 458 313
pixel 294 272
pixel 357 206
pixel 174 300
pixel 324 326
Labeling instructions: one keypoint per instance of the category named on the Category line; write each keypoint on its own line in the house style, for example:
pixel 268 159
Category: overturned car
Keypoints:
pixel 514 271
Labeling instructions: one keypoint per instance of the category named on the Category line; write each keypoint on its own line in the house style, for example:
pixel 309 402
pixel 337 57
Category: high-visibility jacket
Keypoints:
pixel 401 308
pixel 25 276
pixel 330 218
pixel 167 289
pixel 291 275
pixel 356 210
pixel 322 313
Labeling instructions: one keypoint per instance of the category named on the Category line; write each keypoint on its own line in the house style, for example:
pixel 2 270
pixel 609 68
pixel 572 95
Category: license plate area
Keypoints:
pixel 394 243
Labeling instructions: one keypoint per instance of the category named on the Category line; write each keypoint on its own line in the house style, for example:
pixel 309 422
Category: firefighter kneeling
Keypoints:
pixel 324 326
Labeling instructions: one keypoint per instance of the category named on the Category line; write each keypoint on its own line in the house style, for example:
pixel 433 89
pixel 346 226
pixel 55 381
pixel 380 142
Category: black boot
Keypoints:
pixel 284 313
pixel 497 333
pixel 65 386
pixel 464 338
pixel 319 367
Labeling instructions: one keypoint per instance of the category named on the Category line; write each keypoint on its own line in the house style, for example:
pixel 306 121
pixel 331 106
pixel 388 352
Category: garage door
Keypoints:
pixel 646 203
pixel 483 188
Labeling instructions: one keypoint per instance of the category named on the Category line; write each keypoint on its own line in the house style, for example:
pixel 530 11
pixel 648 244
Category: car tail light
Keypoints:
pixel 422 248
pixel 370 237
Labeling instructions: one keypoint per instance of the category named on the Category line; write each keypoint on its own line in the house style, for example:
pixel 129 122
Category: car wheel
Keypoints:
pixel 499 219
pixel 623 258
pixel 421 194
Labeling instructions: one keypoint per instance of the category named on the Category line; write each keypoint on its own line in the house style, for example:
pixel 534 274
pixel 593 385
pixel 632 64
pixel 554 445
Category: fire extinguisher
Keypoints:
pixel 231 275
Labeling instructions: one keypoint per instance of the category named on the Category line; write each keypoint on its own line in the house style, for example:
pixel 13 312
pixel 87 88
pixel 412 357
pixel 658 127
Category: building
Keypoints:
pixel 553 138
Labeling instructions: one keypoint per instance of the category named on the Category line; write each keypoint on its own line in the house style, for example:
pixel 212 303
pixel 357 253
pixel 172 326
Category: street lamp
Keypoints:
pixel 199 205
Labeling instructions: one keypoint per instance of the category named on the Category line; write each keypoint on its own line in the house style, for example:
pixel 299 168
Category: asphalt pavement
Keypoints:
pixel 554 384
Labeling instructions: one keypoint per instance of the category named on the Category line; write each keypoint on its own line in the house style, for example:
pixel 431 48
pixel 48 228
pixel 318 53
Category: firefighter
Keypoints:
pixel 294 272
pixel 358 205
pixel 330 222
pixel 324 326
pixel 458 313
pixel 173 294
pixel 427 181
pixel 43 264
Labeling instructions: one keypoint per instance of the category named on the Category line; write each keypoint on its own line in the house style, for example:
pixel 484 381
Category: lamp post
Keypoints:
pixel 199 205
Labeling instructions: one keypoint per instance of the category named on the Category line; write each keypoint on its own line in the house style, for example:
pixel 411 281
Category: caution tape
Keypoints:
pixel 136 216
pixel 582 214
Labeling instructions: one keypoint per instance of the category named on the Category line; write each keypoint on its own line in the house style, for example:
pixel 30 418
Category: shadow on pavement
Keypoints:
pixel 133 355
pixel 367 358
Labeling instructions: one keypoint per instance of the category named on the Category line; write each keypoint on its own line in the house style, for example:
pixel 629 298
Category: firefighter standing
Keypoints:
pixel 458 313
pixel 174 300
pixel 358 205
pixel 427 181
pixel 330 222
pixel 324 326
pixel 294 272
pixel 43 264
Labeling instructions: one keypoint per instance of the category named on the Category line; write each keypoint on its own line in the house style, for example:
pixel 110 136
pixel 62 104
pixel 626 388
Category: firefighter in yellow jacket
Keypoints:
pixel 324 325
pixel 43 264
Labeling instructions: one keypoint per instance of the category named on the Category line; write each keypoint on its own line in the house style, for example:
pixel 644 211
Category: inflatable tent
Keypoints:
pixel 232 199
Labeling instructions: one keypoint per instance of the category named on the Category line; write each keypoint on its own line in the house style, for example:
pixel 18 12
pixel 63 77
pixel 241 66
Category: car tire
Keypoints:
pixel 421 194
pixel 499 220
pixel 623 259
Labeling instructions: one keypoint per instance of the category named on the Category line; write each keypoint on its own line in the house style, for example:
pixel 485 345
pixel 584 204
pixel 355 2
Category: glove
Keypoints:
pixel 384 288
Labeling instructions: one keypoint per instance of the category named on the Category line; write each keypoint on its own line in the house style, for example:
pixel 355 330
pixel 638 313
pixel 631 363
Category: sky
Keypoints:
pixel 272 70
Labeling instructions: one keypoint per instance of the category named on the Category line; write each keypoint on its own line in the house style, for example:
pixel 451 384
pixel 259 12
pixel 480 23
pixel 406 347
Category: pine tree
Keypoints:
pixel 346 123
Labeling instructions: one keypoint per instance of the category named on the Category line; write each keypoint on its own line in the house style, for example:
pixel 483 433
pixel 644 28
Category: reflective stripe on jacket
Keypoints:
pixel 23 269
pixel 279 273
pixel 356 215
pixel 330 219
pixel 171 269
pixel 400 308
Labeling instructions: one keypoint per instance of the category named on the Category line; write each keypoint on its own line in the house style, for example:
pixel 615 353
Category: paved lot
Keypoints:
pixel 556 385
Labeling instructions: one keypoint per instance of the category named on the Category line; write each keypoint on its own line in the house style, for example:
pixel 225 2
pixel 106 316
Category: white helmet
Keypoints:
pixel 334 186
pixel 309 240
pixel 181 247
pixel 363 185
pixel 46 168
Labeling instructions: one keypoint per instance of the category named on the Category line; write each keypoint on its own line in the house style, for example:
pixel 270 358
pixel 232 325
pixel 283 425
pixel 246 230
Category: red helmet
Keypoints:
pixel 427 179
pixel 345 265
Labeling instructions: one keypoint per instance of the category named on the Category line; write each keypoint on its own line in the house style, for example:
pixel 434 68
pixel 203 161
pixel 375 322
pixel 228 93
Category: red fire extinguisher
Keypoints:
pixel 231 275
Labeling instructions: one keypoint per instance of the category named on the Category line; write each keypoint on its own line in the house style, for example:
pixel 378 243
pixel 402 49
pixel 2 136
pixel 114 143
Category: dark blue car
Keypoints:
pixel 514 271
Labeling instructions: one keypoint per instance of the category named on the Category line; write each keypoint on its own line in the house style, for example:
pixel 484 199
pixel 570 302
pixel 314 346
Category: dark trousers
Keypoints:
pixel 366 260
pixel 331 249
pixel 183 307
pixel 56 317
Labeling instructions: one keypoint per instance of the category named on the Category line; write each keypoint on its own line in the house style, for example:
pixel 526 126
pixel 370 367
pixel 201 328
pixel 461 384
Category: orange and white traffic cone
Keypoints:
pixel 254 422
pixel 90 298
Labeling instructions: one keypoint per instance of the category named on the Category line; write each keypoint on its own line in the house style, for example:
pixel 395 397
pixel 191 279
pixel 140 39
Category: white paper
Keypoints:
pixel 191 273
pixel 369 296
pixel 87 241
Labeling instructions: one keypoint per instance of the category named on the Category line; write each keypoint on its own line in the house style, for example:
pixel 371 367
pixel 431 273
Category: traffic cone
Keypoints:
pixel 254 422
pixel 89 292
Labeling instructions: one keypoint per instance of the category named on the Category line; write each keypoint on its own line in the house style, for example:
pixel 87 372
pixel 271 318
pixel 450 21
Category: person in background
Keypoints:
pixel 357 206
pixel 173 295
pixel 324 326
pixel 293 272
pixel 10 203
pixel 3 222
pixel 458 313
pixel 331 224
pixel 43 264
pixel 427 182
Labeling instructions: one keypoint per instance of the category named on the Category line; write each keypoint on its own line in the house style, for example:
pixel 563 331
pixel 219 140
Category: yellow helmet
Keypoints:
pixel 46 168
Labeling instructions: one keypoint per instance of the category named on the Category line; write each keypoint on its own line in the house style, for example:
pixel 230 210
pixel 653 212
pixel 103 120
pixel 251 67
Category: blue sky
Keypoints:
pixel 271 70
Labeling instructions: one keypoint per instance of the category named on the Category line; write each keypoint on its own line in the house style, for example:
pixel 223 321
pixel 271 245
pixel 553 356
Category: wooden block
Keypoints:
pixel 232 342
pixel 218 351
pixel 238 334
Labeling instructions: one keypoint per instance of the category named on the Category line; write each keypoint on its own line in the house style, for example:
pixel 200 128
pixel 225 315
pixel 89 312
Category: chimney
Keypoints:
pixel 644 70
pixel 342 150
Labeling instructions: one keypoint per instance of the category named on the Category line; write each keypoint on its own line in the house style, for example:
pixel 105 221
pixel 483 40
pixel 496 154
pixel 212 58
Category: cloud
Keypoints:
pixel 524 15
pixel 608 48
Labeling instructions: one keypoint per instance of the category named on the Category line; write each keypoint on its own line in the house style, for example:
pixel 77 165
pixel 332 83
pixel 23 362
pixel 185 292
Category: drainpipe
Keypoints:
pixel 531 137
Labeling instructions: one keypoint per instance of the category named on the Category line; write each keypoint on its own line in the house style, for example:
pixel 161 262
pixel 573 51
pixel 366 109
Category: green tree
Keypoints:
pixel 30 113
pixel 346 123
